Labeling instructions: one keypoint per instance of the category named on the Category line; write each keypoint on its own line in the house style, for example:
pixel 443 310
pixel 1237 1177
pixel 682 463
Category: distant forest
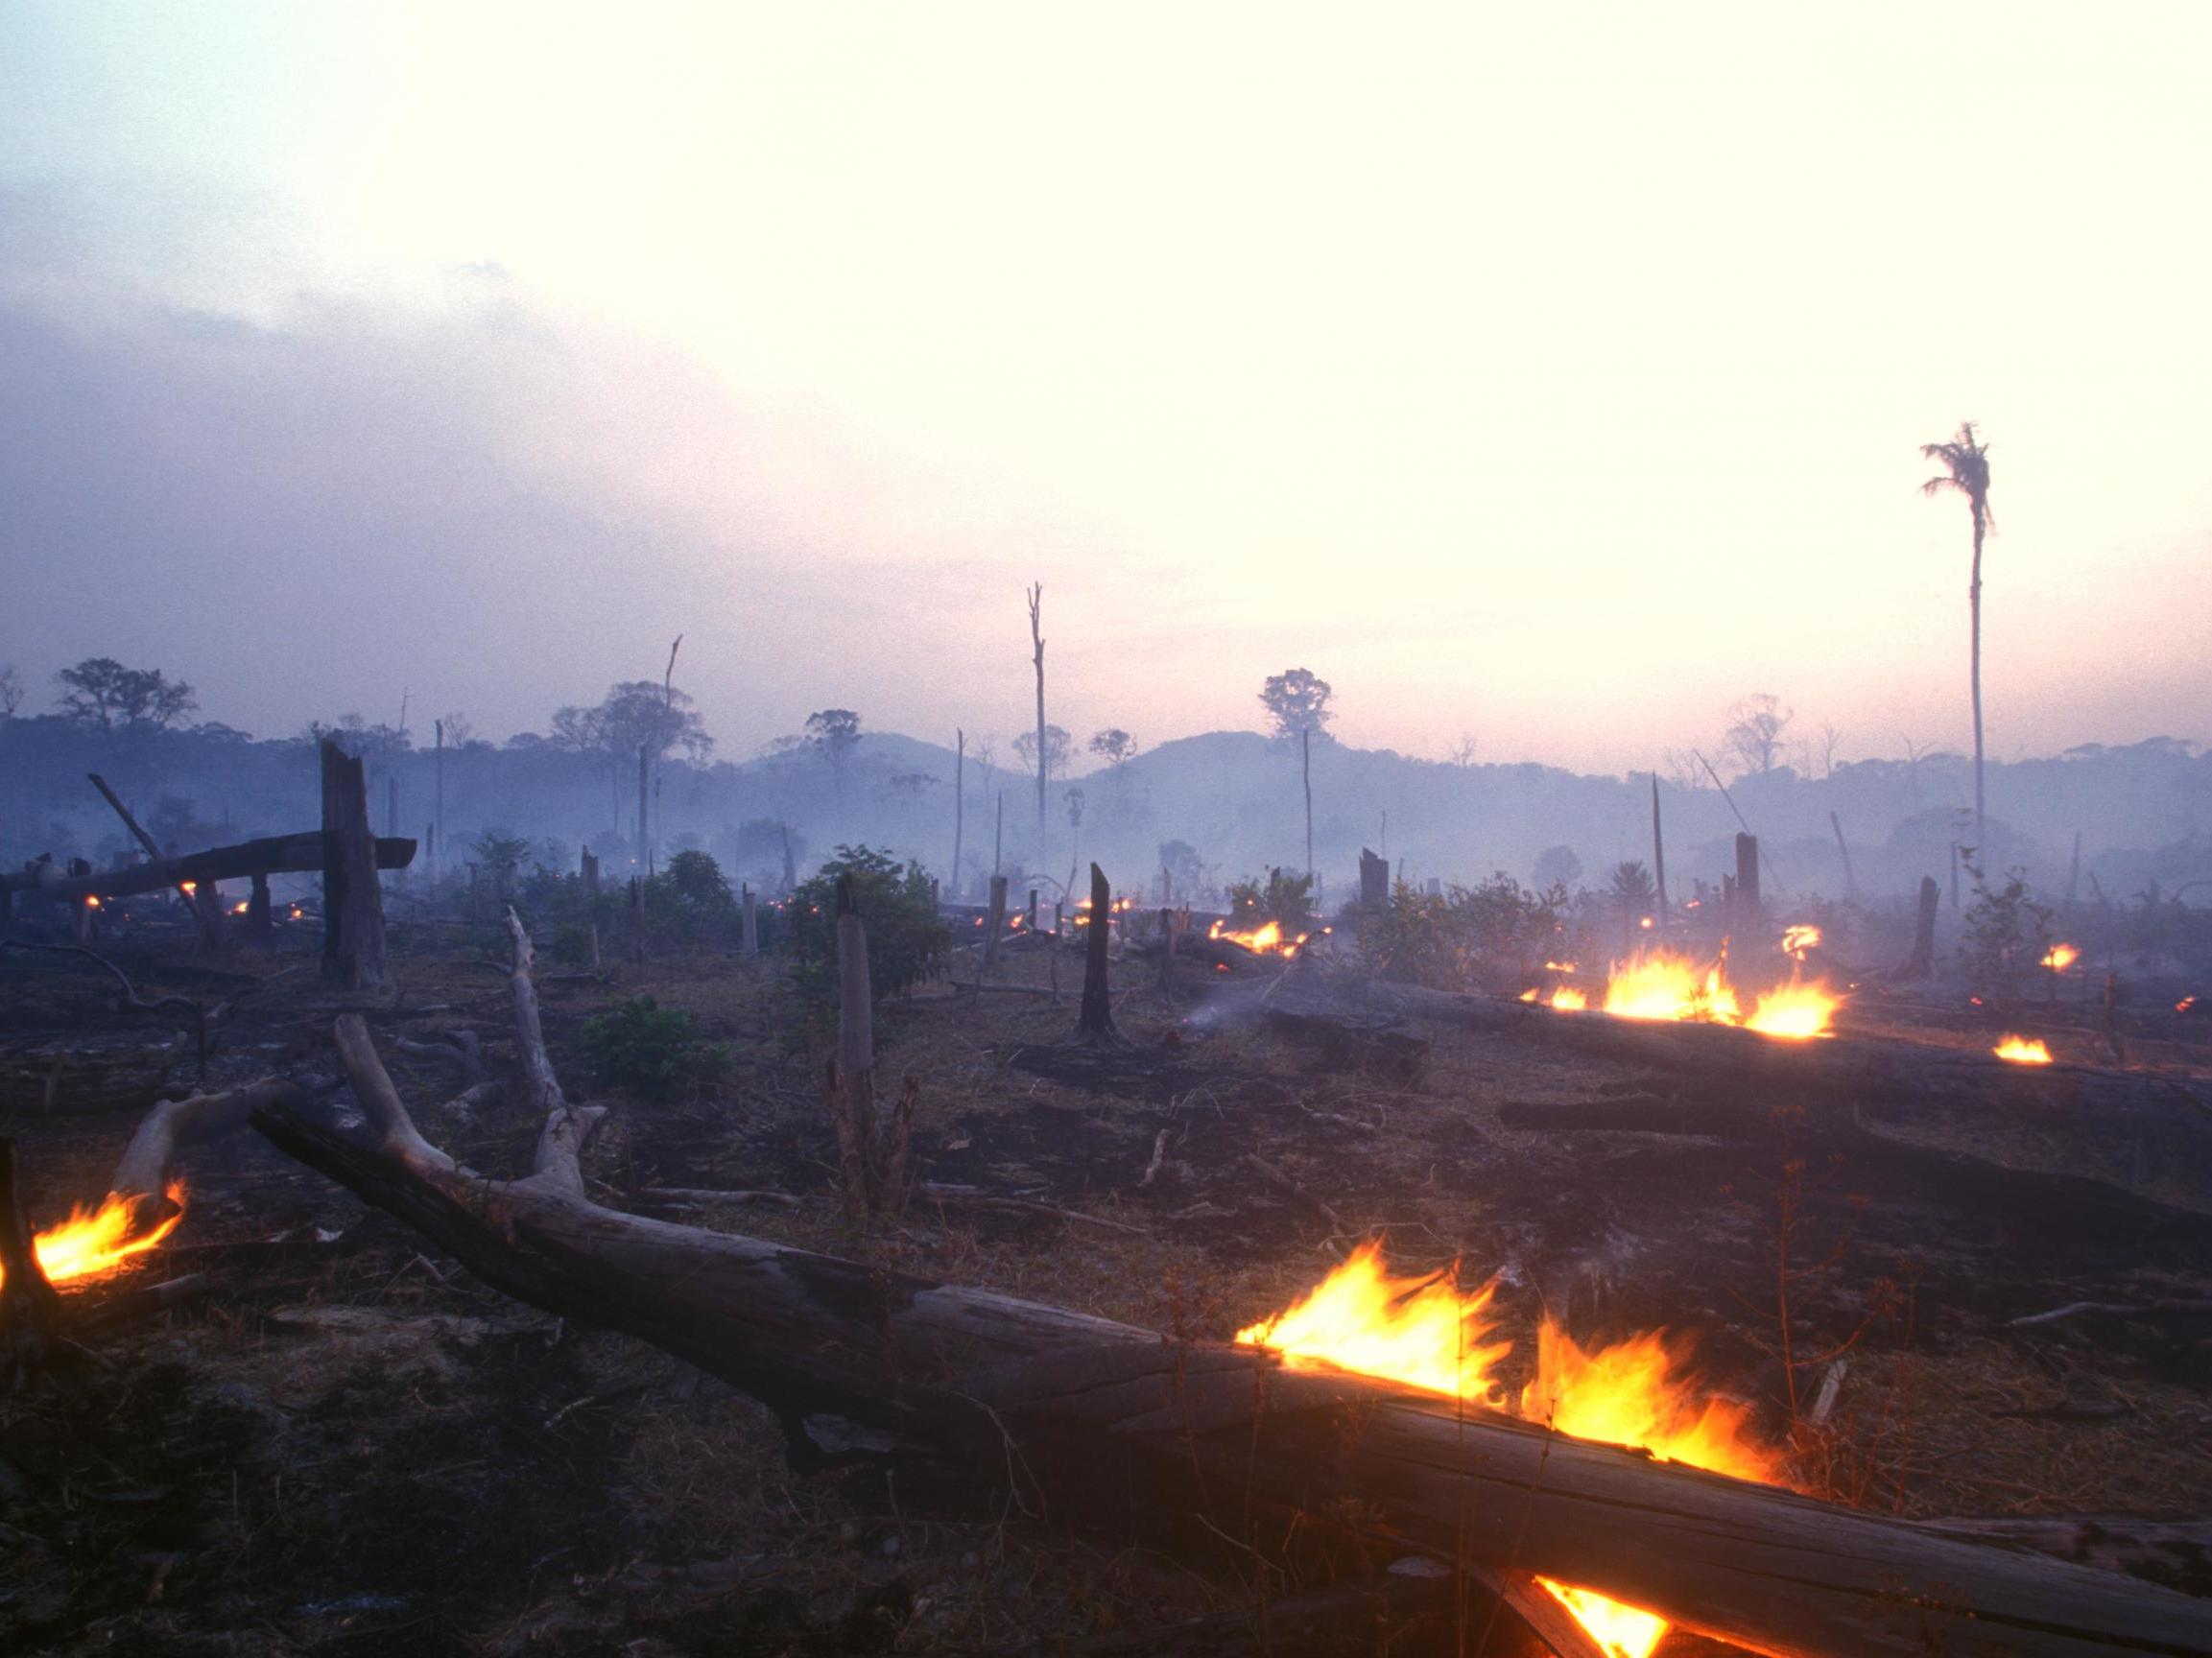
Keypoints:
pixel 1211 808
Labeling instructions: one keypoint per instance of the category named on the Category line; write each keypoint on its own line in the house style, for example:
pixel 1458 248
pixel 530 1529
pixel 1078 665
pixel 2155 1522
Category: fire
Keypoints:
pixel 1266 938
pixel 1620 1631
pixel 1569 999
pixel 1796 1010
pixel 2023 1049
pixel 2060 957
pixel 1661 984
pixel 1426 1333
pixel 1796 940
pixel 92 901
pixel 1560 967
pixel 1416 1330
pixel 93 1242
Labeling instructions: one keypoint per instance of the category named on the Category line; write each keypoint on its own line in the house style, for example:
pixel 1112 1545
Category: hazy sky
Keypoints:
pixel 1550 373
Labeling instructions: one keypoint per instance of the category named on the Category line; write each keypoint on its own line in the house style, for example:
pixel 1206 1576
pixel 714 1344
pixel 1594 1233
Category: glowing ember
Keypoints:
pixel 1796 940
pixel 2023 1049
pixel 93 1242
pixel 1558 967
pixel 92 902
pixel 2185 1004
pixel 1424 1332
pixel 2060 957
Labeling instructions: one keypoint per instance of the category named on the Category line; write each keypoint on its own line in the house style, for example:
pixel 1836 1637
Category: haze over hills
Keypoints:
pixel 1233 799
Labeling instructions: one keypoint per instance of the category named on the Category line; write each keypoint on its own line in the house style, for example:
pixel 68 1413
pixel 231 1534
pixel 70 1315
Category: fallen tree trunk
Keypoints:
pixel 1070 1413
pixel 274 855
pixel 1861 1069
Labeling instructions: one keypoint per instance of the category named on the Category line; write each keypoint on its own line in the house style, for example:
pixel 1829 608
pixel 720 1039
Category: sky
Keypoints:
pixel 1549 375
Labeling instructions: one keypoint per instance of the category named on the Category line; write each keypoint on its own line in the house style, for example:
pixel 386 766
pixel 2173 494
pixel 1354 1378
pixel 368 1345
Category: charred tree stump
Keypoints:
pixel 995 924
pixel 260 917
pixel 587 869
pixel 1095 1022
pixel 748 931
pixel 1748 913
pixel 352 901
pixel 1374 879
pixel 30 1307
pixel 1072 1414
pixel 1659 852
pixel 1922 961
pixel 637 920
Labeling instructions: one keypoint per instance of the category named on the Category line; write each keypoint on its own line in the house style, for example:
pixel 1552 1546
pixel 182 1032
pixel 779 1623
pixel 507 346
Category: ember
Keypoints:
pixel 1426 1333
pixel 2023 1049
pixel 94 1241
pixel 1796 940
pixel 2060 957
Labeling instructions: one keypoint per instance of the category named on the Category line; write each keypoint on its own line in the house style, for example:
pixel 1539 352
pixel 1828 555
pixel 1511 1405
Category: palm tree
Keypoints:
pixel 1966 463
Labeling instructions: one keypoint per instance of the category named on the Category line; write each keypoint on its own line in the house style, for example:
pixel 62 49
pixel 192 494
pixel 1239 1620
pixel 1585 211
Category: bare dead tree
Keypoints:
pixel 1044 752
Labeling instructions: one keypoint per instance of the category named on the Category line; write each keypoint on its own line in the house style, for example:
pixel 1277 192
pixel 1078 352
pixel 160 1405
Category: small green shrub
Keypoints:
pixel 1286 900
pixel 648 1049
pixel 906 940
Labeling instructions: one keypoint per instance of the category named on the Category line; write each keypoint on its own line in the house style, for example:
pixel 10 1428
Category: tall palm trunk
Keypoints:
pixel 1974 608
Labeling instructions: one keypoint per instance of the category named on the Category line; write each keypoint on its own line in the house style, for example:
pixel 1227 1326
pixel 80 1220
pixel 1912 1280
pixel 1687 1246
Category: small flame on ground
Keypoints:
pixel 96 1241
pixel 1569 999
pixel 1558 967
pixel 1424 1332
pixel 2023 1049
pixel 1796 940
pixel 2060 957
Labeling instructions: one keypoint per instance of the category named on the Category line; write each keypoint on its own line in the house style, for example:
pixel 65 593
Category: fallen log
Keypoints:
pixel 1861 1069
pixel 299 854
pixel 1068 1413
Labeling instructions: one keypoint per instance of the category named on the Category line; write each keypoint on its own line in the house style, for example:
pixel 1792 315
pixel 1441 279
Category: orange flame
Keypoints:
pixel 2023 1049
pixel 2060 957
pixel 1661 984
pixel 1569 999
pixel 1796 940
pixel 97 1240
pixel 1267 938
pixel 1424 1332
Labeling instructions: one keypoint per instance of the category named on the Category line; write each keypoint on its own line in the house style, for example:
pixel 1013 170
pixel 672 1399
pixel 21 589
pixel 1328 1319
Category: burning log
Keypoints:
pixel 1857 1069
pixel 38 1323
pixel 1067 1411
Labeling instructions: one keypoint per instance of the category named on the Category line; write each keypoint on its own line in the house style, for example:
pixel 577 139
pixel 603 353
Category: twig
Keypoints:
pixel 940 1193
pixel 2119 1308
